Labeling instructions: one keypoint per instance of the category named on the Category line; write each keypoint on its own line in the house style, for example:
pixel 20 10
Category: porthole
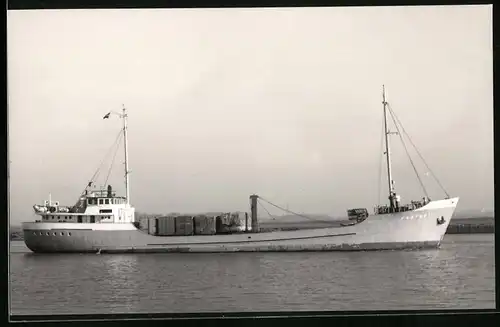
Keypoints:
pixel 34 233
pixel 54 233
pixel 48 233
pixel 62 233
pixel 69 233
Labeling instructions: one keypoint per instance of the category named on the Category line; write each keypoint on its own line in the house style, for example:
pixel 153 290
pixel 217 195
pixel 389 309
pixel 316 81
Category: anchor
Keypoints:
pixel 440 221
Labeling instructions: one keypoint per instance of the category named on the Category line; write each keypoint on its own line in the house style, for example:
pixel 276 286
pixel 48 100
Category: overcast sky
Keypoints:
pixel 285 103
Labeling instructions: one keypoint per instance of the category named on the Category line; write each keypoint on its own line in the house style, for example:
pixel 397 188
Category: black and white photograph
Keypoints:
pixel 225 160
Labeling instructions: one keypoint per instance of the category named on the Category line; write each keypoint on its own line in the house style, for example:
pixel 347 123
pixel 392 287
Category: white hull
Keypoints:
pixel 412 229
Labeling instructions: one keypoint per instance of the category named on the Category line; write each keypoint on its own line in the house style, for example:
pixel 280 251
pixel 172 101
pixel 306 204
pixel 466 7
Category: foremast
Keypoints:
pixel 392 194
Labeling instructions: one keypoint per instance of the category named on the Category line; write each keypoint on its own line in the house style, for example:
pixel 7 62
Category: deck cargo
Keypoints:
pixel 152 226
pixel 184 225
pixel 144 224
pixel 239 222
pixel 232 222
pixel 204 225
pixel 166 226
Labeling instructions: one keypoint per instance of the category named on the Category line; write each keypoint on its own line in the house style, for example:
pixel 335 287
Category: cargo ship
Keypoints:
pixel 103 222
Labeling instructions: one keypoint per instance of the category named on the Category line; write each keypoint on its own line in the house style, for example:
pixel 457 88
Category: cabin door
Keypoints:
pixel 121 216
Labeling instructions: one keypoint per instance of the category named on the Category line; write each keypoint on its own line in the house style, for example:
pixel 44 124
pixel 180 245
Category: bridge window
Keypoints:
pixel 92 219
pixel 79 219
pixel 106 201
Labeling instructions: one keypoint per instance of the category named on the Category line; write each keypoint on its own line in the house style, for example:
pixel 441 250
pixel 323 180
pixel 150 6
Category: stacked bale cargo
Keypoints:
pixel 239 222
pixel 166 226
pixel 152 226
pixel 184 225
pixel 222 223
pixel 204 225
pixel 144 224
pixel 233 222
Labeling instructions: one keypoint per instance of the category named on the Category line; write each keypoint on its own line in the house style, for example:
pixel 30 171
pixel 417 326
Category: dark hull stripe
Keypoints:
pixel 245 241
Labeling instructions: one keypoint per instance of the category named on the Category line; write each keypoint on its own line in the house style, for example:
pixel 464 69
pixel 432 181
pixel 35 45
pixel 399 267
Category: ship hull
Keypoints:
pixel 407 230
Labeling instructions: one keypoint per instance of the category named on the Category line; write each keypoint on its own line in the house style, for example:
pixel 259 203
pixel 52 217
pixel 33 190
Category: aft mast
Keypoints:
pixel 388 153
pixel 124 116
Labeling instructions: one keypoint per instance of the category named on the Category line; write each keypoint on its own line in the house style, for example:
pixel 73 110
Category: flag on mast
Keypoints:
pixel 106 115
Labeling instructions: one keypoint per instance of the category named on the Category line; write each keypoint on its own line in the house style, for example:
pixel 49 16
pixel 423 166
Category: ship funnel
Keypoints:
pixel 110 191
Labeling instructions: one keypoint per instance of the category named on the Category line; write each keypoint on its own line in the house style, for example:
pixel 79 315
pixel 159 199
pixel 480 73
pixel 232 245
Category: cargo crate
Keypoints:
pixel 204 225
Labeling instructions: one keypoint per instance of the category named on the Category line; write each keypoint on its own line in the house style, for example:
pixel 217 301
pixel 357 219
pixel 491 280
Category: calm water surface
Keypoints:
pixel 459 275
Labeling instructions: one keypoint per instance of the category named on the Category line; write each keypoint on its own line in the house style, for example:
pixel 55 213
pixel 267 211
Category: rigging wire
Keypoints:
pixel 418 152
pixel 114 156
pixel 289 211
pixel 96 174
pixel 408 154
pixel 381 157
pixel 266 210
